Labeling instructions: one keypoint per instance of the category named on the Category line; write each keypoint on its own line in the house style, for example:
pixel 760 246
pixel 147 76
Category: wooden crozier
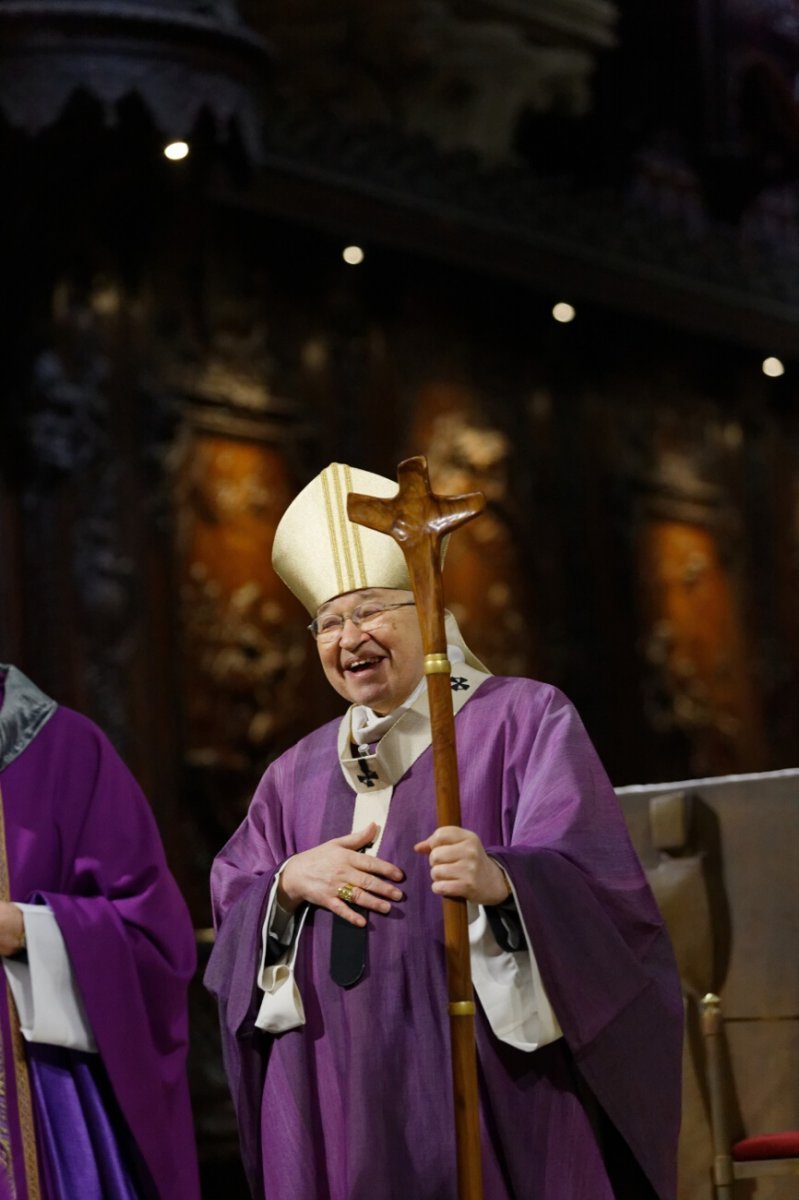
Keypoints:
pixel 418 520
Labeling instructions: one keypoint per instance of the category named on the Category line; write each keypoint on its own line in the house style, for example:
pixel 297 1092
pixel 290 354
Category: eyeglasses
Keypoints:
pixel 328 628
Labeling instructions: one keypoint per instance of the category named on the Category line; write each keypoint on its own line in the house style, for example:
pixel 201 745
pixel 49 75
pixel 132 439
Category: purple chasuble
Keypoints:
pixel 81 838
pixel 358 1102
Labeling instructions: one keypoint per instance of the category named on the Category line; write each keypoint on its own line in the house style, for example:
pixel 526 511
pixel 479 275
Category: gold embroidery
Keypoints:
pixel 6 1157
pixel 356 533
pixel 24 1102
pixel 331 525
pixel 341 526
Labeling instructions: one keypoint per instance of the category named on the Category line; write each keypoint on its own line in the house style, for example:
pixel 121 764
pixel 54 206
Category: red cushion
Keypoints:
pixel 768 1145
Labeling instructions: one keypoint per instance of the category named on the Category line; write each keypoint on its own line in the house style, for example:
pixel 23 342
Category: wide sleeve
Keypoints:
pixel 130 942
pixel 598 937
pixel 46 994
pixel 242 881
pixel 509 987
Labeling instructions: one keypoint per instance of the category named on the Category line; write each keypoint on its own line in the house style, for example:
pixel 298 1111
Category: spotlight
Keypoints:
pixel 175 151
pixel 563 312
pixel 772 367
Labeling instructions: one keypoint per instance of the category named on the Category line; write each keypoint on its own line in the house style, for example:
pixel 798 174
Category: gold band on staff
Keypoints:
pixel 437 664
pixel 462 1008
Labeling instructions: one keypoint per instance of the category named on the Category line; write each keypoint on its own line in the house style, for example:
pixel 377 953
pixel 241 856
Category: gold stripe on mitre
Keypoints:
pixel 319 553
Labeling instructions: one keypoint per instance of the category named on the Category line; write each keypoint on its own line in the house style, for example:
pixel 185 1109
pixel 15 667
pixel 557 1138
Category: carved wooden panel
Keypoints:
pixel 698 660
pixel 483 582
pixel 250 682
pixel 245 644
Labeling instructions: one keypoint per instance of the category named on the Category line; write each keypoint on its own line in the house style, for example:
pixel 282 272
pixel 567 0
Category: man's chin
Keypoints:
pixel 372 697
pixel 374 693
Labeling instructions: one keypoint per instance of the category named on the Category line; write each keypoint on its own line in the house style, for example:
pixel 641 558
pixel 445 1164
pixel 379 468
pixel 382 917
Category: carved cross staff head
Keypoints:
pixel 418 520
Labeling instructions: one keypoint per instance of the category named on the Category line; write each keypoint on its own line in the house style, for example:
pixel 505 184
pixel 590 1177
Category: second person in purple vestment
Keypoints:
pixel 98 948
pixel 329 962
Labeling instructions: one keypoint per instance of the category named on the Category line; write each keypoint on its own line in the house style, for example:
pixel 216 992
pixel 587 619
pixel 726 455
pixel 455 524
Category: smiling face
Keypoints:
pixel 380 668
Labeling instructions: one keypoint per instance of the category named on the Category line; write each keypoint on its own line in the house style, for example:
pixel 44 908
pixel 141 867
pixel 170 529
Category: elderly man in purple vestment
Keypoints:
pixel 98 951
pixel 329 960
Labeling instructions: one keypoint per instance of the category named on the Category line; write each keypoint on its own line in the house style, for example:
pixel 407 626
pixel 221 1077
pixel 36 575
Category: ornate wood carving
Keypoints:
pixel 181 58
pixel 462 73
pixel 93 504
pixel 482 570
pixel 81 571
pixel 482 75
pixel 245 640
pixel 697 654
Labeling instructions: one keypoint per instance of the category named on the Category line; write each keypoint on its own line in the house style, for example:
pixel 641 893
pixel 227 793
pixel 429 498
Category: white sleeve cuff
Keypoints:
pixel 45 990
pixel 509 986
pixel 281 1007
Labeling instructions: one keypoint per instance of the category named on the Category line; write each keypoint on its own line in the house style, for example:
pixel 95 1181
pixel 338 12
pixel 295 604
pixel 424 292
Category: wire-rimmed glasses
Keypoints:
pixel 367 617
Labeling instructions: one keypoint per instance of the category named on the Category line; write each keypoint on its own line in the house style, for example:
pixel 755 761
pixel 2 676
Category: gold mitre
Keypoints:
pixel 320 553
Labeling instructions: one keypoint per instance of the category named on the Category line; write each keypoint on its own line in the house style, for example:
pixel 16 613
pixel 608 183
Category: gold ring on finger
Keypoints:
pixel 346 892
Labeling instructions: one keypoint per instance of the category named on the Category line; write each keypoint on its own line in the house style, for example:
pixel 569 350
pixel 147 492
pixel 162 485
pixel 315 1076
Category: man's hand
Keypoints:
pixel 12 928
pixel 460 867
pixel 316 876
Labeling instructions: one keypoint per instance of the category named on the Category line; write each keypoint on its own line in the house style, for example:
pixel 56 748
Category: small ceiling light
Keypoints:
pixel 773 367
pixel 564 312
pixel 175 151
pixel 352 255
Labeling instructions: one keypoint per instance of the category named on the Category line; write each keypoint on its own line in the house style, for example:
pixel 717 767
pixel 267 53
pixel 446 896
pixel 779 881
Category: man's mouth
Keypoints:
pixel 362 664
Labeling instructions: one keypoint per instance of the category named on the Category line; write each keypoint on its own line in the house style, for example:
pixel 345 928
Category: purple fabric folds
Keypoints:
pixel 81 838
pixel 362 1092
pixel 85 1151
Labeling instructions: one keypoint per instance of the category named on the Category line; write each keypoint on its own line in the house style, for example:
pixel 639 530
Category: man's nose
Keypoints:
pixel 351 634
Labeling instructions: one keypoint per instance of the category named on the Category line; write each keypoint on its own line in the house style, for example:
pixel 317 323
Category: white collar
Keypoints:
pixel 368 726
